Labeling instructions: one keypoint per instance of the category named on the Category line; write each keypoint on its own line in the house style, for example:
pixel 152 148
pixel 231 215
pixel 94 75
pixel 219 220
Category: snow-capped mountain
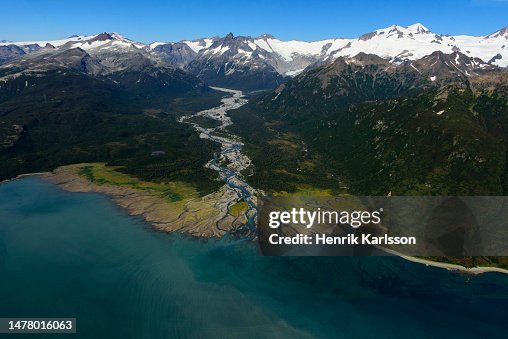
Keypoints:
pixel 264 61
pixel 234 60
pixel 34 45
pixel 368 77
pixel 397 43
pixel 106 56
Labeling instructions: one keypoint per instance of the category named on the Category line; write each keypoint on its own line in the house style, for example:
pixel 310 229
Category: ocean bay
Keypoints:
pixel 72 254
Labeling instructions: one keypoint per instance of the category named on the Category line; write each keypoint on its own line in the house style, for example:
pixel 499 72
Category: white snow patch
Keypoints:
pixel 295 72
pixel 157 43
pixel 252 45
pixel 287 49
pixel 198 45
pixel 416 69
pixel 43 43
pixel 247 53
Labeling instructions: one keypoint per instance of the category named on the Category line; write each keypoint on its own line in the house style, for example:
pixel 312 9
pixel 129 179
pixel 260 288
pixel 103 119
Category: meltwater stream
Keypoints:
pixel 231 152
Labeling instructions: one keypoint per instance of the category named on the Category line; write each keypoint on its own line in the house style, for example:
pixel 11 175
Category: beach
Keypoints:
pixel 207 216
pixel 450 267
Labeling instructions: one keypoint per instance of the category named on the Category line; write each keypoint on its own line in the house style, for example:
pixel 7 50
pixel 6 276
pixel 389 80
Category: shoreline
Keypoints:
pixel 450 267
pixel 71 182
pixel 21 176
pixel 206 217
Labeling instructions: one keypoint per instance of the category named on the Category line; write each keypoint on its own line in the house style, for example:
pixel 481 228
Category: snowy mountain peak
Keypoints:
pixel 400 31
pixel 101 37
pixel 236 55
pixel 117 36
pixel 418 28
pixel 266 36
pixel 502 33
pixel 106 36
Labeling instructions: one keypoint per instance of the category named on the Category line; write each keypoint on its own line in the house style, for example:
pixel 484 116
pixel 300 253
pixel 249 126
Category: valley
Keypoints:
pixel 187 133
pixel 231 162
pixel 177 206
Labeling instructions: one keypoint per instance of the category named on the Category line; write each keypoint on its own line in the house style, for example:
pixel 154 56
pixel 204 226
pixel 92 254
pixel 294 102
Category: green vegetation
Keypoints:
pixel 238 209
pixel 283 164
pixel 205 122
pixel 403 146
pixel 451 141
pixel 101 174
pixel 73 118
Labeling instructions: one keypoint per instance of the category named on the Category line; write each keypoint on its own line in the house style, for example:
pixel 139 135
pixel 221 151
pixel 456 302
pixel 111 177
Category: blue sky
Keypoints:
pixel 149 21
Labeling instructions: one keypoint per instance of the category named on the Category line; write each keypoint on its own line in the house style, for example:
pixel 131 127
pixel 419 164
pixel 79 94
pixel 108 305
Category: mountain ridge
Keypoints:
pixel 265 61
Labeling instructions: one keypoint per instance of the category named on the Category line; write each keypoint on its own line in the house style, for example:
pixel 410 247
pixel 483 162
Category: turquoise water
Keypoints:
pixel 78 255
